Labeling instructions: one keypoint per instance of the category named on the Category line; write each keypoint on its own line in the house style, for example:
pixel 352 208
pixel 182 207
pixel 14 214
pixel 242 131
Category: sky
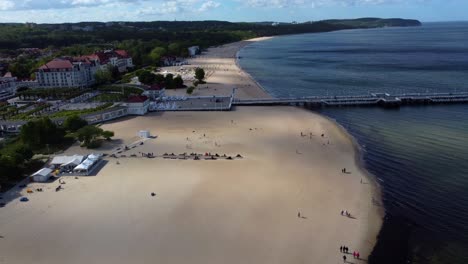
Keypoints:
pixel 59 11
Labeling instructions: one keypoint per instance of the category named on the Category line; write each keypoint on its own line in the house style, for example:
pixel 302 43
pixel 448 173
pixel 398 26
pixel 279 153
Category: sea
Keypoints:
pixel 417 154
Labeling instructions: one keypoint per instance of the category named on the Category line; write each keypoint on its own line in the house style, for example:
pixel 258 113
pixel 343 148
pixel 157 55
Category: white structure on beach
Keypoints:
pixel 66 162
pixel 42 175
pixel 137 105
pixel 87 165
pixel 144 134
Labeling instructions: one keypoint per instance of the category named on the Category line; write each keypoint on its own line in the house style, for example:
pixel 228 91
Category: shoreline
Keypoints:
pixel 376 191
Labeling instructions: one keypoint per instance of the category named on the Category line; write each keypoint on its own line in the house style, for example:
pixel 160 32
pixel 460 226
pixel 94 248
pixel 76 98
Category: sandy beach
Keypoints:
pixel 222 73
pixel 208 211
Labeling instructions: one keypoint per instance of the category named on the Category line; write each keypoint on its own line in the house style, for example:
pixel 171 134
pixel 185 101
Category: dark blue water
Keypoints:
pixel 418 154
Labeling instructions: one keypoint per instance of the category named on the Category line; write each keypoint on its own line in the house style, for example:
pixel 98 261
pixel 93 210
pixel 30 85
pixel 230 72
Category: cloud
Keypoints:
pixel 177 6
pixel 6 4
pixel 317 3
pixel 208 5
pixel 59 4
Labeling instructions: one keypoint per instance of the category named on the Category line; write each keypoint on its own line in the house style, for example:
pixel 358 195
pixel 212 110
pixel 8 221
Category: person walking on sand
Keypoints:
pixel 341 248
pixel 342 212
pixel 354 254
pixel 357 255
pixel 344 259
pixel 299 214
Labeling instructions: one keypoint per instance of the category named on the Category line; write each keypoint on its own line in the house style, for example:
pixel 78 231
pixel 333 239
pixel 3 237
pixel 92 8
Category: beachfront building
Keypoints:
pixel 42 175
pixel 66 72
pixel 138 105
pixel 194 50
pixel 7 86
pixel 117 58
pixel 154 91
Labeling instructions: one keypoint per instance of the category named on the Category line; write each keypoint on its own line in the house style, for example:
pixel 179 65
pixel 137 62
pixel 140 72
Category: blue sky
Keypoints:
pixel 56 11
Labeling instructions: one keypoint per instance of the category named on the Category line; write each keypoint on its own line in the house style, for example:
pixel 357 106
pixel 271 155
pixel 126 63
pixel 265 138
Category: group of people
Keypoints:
pixel 343 170
pixel 345 249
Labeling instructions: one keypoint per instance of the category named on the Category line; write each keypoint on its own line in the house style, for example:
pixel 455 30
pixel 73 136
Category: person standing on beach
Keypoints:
pixel 357 255
pixel 344 259
pixel 341 248
pixel 298 214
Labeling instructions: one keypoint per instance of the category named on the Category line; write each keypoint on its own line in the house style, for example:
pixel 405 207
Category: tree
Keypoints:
pixel 88 134
pixel 178 82
pixel 107 134
pixel 36 134
pixel 103 76
pixel 157 53
pixel 146 77
pixel 74 122
pixel 169 81
pixel 174 49
pixel 190 89
pixel 199 74
pixel 159 78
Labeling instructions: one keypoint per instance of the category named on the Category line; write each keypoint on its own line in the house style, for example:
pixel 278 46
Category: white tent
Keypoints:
pixel 144 134
pixel 71 164
pixel 42 175
pixel 87 164
pixel 61 160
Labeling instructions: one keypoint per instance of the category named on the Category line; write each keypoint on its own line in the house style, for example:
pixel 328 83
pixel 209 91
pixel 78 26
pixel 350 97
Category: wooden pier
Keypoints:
pixel 374 99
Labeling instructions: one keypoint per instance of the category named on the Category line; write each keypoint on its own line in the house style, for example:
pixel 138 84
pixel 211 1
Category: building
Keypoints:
pixel 154 91
pixel 138 105
pixel 117 58
pixel 42 175
pixel 67 72
pixel 7 86
pixel 194 50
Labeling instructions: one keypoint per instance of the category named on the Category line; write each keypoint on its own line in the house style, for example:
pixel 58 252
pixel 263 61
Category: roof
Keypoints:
pixel 122 53
pixel 57 64
pixel 59 160
pixel 154 87
pixel 42 172
pixel 137 99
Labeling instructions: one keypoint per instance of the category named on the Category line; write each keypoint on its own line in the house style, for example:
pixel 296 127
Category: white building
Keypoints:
pixel 137 105
pixel 154 91
pixel 66 73
pixel 7 86
pixel 42 175
pixel 194 50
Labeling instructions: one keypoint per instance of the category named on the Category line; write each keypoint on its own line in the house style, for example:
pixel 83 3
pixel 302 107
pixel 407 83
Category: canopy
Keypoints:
pixel 42 172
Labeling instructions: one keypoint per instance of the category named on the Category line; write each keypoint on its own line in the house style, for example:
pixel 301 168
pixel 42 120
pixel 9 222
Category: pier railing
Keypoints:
pixel 380 99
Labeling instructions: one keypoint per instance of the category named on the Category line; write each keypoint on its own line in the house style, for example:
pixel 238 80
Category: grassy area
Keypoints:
pixel 111 97
pixel 67 113
pixel 126 90
pixel 29 114
pixel 51 93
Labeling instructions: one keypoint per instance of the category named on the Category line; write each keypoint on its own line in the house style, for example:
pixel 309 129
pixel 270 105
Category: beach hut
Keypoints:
pixel 144 134
pixel 42 175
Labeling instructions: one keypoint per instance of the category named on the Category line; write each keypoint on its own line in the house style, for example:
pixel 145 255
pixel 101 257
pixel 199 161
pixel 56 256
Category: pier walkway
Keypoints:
pixel 374 99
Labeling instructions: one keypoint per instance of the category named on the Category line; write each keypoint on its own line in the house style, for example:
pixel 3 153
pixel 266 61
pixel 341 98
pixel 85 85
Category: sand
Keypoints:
pixel 221 211
pixel 222 73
